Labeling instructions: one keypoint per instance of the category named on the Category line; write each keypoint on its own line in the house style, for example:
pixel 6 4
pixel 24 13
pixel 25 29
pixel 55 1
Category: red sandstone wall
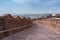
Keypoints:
pixel 8 22
pixel 51 23
pixel 1 28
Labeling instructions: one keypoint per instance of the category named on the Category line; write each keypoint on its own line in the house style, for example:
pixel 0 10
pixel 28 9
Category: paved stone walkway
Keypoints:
pixel 37 32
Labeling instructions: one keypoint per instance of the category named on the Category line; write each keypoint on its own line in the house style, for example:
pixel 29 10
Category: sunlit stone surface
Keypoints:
pixel 37 32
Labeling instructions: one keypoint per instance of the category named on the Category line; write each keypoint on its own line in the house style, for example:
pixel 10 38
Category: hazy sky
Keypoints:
pixel 29 6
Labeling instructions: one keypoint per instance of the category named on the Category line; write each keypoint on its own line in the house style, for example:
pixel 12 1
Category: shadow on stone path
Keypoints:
pixel 36 32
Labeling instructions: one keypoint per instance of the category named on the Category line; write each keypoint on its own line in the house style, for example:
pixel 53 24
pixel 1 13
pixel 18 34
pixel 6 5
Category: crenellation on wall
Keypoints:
pixel 8 21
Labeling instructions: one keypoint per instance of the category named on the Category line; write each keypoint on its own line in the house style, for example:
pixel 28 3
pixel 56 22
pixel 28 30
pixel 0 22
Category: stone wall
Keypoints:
pixel 52 23
pixel 1 28
pixel 9 22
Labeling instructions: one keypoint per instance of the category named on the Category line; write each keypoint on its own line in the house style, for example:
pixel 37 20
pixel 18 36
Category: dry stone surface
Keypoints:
pixel 36 32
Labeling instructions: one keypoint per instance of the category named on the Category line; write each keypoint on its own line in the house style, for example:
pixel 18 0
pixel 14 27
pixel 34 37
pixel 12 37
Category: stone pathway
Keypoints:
pixel 37 32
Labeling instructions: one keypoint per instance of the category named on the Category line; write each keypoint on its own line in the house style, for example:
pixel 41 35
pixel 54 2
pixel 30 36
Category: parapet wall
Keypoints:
pixel 52 23
pixel 8 22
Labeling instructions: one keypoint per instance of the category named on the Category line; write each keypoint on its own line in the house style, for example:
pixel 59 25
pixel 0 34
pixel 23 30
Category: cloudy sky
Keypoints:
pixel 29 6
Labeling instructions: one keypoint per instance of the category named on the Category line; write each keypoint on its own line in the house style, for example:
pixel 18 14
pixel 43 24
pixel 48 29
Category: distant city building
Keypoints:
pixel 53 15
pixel 57 14
pixel 49 16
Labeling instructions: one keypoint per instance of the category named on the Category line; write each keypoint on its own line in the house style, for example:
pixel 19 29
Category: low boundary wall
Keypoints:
pixel 52 23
